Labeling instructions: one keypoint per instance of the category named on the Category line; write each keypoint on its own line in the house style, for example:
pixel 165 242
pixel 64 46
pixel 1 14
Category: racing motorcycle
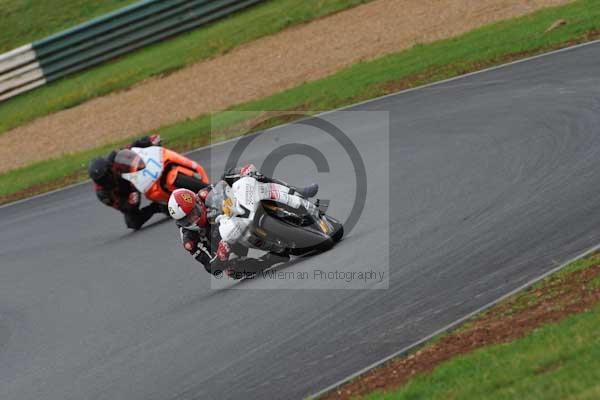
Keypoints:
pixel 157 171
pixel 272 226
pixel 297 233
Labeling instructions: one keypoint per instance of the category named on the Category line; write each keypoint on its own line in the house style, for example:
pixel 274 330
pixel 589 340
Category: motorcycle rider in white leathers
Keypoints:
pixel 232 209
pixel 243 200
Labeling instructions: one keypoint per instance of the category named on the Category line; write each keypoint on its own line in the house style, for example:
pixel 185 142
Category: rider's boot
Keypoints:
pixel 308 191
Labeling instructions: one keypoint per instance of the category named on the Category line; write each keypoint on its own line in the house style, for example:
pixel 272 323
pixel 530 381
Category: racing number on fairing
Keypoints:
pixel 147 171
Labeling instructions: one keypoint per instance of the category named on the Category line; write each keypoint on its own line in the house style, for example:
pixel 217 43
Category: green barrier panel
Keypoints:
pixel 113 35
pixel 117 52
pixel 154 33
pixel 147 25
pixel 94 28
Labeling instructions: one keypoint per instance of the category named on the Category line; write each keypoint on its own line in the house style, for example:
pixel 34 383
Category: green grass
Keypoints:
pixel 24 21
pixel 210 41
pixel 532 295
pixel 557 361
pixel 423 63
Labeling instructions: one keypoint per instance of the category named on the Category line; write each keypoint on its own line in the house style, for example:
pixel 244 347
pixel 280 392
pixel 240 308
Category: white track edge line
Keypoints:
pixel 523 60
pixel 452 325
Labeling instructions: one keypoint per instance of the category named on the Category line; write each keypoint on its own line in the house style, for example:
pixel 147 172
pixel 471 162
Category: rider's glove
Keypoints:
pixel 191 245
pixel 134 198
pixel 248 170
pixel 223 251
pixel 155 140
pixel 203 194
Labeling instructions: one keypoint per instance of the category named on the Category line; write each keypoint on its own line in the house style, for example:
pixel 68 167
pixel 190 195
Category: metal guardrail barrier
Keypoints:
pixel 104 38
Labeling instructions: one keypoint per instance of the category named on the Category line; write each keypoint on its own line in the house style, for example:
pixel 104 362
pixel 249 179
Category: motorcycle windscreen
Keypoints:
pixel 133 169
pixel 127 161
pixel 215 199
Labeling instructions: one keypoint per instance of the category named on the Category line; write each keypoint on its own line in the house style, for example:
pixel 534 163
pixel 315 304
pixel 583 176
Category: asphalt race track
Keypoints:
pixel 493 180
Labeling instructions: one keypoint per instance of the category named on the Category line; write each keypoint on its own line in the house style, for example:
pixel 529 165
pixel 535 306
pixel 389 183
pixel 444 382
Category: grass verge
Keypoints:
pixel 484 47
pixel 24 21
pixel 165 57
pixel 542 343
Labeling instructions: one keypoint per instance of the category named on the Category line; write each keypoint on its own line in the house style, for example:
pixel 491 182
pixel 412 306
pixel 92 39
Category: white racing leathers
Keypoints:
pixel 247 193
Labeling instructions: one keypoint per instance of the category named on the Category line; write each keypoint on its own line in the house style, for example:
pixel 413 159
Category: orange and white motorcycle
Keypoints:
pixel 156 171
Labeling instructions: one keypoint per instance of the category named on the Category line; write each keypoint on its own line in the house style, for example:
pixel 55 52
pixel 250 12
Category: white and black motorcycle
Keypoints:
pixel 271 217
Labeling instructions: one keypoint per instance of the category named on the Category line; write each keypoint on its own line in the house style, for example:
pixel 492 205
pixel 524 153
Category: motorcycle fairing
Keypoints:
pixel 143 179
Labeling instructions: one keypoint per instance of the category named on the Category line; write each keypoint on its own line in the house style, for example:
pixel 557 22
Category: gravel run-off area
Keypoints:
pixel 255 70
